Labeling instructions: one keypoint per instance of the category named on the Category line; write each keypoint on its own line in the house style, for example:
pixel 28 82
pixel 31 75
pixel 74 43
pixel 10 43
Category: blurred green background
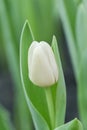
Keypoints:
pixel 45 20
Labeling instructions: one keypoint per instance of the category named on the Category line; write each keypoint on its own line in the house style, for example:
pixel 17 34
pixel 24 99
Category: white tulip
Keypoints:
pixel 42 65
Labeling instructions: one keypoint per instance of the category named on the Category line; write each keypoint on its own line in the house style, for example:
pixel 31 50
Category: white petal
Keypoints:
pixel 51 58
pixel 42 66
pixel 41 73
pixel 34 44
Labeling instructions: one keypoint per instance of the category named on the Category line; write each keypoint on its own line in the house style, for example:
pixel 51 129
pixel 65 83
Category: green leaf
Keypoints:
pixel 82 90
pixel 5 122
pixel 71 8
pixel 81 29
pixel 72 125
pixel 60 100
pixel 81 33
pixel 67 10
pixel 35 96
pixel 13 12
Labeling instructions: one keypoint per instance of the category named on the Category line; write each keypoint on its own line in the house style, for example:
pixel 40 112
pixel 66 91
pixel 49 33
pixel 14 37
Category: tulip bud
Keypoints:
pixel 42 65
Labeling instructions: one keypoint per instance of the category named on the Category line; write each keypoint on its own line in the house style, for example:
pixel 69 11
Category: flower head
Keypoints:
pixel 42 65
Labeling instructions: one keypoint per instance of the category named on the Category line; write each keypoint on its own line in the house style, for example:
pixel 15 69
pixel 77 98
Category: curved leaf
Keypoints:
pixel 35 96
pixel 72 125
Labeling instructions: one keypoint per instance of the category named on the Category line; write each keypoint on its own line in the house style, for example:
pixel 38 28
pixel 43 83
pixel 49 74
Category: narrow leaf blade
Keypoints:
pixel 60 91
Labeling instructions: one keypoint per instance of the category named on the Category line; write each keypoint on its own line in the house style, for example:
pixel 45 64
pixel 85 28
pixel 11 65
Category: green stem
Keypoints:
pixel 50 105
